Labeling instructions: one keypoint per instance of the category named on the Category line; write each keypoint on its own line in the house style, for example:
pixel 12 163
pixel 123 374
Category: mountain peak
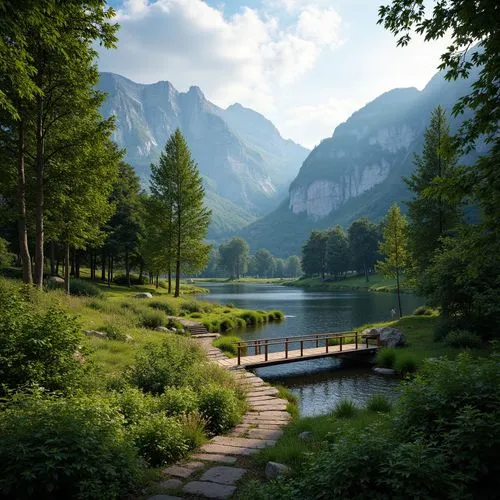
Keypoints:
pixel 195 90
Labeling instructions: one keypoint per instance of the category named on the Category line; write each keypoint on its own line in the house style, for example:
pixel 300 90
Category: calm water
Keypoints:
pixel 318 384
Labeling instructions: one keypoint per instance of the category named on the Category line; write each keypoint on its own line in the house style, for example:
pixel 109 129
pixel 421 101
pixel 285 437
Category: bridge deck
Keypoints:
pixel 275 358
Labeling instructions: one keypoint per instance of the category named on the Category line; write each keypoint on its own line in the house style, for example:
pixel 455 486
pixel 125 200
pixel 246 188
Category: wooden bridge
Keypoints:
pixel 267 352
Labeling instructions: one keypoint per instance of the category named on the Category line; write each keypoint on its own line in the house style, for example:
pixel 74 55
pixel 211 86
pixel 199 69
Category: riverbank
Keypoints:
pixel 376 283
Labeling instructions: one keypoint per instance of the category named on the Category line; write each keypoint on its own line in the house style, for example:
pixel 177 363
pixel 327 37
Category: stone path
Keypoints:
pixel 213 472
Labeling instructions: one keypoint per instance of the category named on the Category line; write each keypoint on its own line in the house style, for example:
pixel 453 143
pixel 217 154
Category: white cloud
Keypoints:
pixel 243 58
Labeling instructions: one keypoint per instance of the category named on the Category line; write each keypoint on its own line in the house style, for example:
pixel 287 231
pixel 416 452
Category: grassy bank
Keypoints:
pixel 377 283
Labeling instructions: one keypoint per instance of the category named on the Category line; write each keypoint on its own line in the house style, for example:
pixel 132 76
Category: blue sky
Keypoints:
pixel 305 64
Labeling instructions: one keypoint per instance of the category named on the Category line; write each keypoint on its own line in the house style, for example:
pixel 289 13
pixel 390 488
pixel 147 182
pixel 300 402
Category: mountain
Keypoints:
pixel 358 171
pixel 246 164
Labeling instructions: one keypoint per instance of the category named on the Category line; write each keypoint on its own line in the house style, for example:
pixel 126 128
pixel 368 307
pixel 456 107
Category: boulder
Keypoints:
pixel 143 295
pixel 389 337
pixel 162 329
pixel 95 333
pixel 274 469
pixel 384 371
pixel 128 338
pixel 305 435
pixel 56 280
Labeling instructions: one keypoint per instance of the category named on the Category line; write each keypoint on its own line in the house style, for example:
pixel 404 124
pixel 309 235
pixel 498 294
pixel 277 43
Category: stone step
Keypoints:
pixel 243 442
pixel 208 489
pixel 223 475
pixel 213 457
pixel 220 449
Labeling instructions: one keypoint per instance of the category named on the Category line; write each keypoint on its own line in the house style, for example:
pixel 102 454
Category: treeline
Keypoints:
pixel 233 259
pixel 66 196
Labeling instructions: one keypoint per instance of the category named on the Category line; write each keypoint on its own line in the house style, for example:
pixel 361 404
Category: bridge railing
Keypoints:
pixel 325 340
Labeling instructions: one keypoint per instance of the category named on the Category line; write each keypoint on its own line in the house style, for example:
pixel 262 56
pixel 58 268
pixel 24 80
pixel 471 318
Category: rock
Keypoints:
pixel 56 280
pixel 128 338
pixel 274 469
pixel 389 337
pixel 223 475
pixel 162 329
pixel 95 333
pixel 305 435
pixel 173 329
pixel 171 484
pixel 384 371
pixel 143 295
pixel 208 489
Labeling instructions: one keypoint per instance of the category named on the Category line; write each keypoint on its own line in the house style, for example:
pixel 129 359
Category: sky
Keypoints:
pixel 306 65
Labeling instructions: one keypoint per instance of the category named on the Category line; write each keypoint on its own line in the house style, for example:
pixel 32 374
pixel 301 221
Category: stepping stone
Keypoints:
pixel 274 407
pixel 223 475
pixel 177 471
pixel 278 414
pixel 266 426
pixel 194 465
pixel 264 391
pixel 171 484
pixel 242 442
pixel 263 398
pixel 221 449
pixel 268 434
pixel 213 457
pixel 164 497
pixel 208 489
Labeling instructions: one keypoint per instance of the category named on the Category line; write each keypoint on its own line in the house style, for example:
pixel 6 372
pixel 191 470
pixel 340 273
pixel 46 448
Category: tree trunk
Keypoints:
pixel 112 267
pixel 399 295
pixel 73 258
pixel 40 195
pixel 177 278
pixel 109 271
pixel 103 267
pixel 127 269
pixel 57 265
pixel 365 268
pixel 66 269
pixel 157 280
pixel 21 198
pixel 169 280
pixel 52 258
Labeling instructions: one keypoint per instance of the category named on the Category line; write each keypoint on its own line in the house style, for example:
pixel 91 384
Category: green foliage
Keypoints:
pixel 406 363
pixel 113 332
pixel 178 400
pixel 337 251
pixel 64 448
pixel 251 318
pixel 233 256
pixel 385 357
pixel 153 319
pixel 159 439
pixel 193 429
pixel 462 339
pixel 218 405
pixel 264 263
pixel 37 346
pixel 227 344
pixel 314 254
pixel 226 325
pixel 121 279
pixel 169 364
pixel 363 237
pixel 84 288
pixel 275 315
pixel 378 403
pixel 423 311
pixel 345 408
pixel 166 307
pixel 6 257
pixel 134 405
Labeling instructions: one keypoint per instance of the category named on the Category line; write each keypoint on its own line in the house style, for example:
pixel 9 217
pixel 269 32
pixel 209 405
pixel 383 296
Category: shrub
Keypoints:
pixel 385 357
pixel 37 346
pixel 121 279
pixel 177 401
pixel 218 405
pixel 239 323
pixel 226 325
pixel 112 332
pixel 192 306
pixel 207 373
pixel 378 403
pixel 406 363
pixel 83 288
pixel 166 307
pixel 251 318
pixel 153 319
pixel 64 448
pixel 134 405
pixel 159 439
pixel 462 339
pixel 172 323
pixel 275 315
pixel 170 364
pixel 423 311
pixel 227 344
pixel 196 315
pixel 345 408
pixel 96 304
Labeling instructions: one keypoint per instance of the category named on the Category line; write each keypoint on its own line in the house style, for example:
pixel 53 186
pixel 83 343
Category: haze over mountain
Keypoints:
pixel 246 165
pixel 358 171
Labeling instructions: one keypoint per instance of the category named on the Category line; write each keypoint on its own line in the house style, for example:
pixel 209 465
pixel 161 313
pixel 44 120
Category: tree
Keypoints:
pixel 292 266
pixel 431 216
pixel 363 236
pixel 279 271
pixel 233 257
pixel 394 249
pixel 264 262
pixel 337 251
pixel 177 182
pixel 314 254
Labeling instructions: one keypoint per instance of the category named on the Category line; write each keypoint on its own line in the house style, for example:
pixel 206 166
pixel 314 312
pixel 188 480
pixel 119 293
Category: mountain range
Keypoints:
pixel 358 171
pixel 245 163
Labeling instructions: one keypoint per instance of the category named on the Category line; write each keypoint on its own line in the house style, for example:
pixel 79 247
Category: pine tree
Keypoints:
pixel 363 238
pixel 431 216
pixel 176 181
pixel 337 251
pixel 314 254
pixel 394 249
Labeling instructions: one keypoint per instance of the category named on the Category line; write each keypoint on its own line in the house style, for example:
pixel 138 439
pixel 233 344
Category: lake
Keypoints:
pixel 318 384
